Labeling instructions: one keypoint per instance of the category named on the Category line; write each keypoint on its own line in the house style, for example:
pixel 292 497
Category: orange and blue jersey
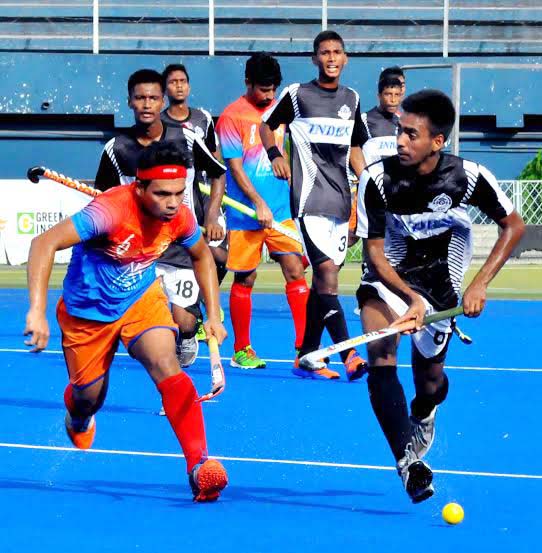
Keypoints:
pixel 238 130
pixel 113 265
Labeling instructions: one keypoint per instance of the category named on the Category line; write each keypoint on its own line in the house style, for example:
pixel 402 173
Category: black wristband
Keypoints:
pixel 273 153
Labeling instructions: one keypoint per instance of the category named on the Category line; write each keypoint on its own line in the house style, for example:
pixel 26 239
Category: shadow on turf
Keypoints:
pixel 179 496
pixel 59 406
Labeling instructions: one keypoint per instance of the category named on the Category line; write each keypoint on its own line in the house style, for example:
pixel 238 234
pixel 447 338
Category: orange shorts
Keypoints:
pixel 89 346
pixel 245 246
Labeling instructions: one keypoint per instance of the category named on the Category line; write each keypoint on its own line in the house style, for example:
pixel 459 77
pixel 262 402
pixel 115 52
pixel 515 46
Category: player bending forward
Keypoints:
pixel 111 293
pixel 412 215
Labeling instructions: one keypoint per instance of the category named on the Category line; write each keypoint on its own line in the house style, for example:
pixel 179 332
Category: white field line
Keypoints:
pixel 290 361
pixel 268 461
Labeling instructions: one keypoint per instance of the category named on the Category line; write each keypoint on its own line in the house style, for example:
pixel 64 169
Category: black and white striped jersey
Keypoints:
pixel 199 121
pixel 424 220
pixel 118 165
pixel 379 134
pixel 323 126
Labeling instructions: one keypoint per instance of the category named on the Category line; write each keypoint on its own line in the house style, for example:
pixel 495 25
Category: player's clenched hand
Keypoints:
pixel 38 330
pixel 216 329
pixel 412 320
pixel 214 231
pixel 474 299
pixel 281 168
pixel 264 215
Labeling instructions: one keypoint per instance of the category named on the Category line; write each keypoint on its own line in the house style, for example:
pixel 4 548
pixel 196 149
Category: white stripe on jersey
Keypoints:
pixel 459 256
pixel 501 196
pixel 109 149
pixel 379 147
pixel 308 166
pixel 374 172
pixel 324 130
pixel 472 171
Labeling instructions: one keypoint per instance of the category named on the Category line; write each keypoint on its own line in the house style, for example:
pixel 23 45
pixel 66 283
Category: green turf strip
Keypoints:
pixel 513 282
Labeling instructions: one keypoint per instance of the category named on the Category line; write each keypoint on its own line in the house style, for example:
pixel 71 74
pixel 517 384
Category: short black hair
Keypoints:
pixel 144 76
pixel 393 71
pixel 164 152
pixel 170 69
pixel 263 69
pixel 388 82
pixel 434 105
pixel 326 35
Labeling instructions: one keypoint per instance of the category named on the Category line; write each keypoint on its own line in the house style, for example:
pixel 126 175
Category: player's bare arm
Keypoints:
pixel 474 298
pixel 213 229
pixel 40 262
pixel 374 249
pixel 357 161
pixel 265 216
pixel 205 272
pixel 280 165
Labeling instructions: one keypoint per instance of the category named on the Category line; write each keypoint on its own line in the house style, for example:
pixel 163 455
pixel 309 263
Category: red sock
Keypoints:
pixel 240 314
pixel 185 416
pixel 68 399
pixel 297 294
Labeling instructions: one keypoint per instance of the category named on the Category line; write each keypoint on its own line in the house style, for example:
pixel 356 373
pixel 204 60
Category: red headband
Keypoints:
pixel 162 172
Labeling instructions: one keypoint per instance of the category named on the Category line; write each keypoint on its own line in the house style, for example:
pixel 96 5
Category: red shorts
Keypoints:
pixel 245 246
pixel 89 346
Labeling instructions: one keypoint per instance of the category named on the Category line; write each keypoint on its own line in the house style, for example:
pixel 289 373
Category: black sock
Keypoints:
pixel 189 334
pixel 333 316
pixel 423 403
pixel 390 407
pixel 314 326
pixel 221 272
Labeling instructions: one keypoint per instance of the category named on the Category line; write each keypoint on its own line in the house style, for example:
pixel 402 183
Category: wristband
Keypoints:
pixel 273 153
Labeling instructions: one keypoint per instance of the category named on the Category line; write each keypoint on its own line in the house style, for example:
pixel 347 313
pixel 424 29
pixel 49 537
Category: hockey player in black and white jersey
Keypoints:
pixel 325 127
pixel 412 216
pixel 118 165
pixel 379 132
pixel 180 114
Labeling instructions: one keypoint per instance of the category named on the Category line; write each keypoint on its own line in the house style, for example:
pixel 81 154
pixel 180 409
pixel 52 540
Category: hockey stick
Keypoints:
pixel 34 174
pixel 249 212
pixel 379 334
pixel 218 378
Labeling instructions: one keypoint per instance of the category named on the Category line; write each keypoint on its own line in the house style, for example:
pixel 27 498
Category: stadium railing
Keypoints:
pixel 436 27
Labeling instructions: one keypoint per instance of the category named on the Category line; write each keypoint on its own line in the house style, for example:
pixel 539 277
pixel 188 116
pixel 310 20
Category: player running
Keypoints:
pixel 111 294
pixel 325 128
pixel 250 180
pixel 412 215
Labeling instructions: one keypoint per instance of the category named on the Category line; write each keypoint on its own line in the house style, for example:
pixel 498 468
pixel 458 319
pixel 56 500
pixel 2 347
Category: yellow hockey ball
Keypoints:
pixel 453 513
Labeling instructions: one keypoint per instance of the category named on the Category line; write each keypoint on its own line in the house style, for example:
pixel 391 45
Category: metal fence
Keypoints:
pixel 432 26
pixel 525 195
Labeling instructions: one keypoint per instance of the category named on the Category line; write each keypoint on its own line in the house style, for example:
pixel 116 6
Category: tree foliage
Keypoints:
pixel 533 169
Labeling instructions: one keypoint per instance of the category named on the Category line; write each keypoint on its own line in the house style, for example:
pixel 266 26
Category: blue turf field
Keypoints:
pixel 308 465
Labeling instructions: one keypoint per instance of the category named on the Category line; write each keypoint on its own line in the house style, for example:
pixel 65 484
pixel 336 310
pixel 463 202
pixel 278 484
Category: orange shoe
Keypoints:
pixel 82 439
pixel 355 366
pixel 315 370
pixel 207 480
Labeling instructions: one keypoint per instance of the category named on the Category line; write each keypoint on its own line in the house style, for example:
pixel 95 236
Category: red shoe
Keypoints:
pixel 207 480
pixel 355 366
pixel 83 438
